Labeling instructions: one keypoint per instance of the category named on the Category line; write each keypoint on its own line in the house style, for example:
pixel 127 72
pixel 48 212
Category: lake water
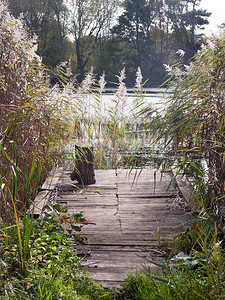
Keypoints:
pixel 111 102
pixel 151 96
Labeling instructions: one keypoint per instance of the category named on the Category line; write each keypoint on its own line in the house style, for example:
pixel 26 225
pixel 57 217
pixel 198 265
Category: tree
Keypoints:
pixel 186 20
pixel 48 19
pixel 113 55
pixel 90 19
pixel 157 29
pixel 135 24
pixel 144 25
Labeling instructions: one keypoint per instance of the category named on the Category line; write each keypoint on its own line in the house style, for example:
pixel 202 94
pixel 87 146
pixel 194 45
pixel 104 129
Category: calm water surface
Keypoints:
pixel 110 101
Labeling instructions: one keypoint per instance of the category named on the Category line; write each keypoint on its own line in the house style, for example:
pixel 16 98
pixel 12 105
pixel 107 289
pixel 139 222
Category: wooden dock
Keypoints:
pixel 125 207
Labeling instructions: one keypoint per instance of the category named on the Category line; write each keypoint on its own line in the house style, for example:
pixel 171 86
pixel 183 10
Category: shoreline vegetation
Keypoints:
pixel 38 260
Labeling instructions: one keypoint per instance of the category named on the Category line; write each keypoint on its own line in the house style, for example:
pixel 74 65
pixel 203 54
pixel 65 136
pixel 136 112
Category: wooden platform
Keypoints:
pixel 125 206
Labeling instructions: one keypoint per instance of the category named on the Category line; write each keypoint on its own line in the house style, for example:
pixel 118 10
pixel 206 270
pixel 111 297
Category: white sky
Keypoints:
pixel 217 8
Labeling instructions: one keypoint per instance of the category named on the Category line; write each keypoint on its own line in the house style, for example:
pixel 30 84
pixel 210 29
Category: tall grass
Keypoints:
pixel 111 125
pixel 192 132
pixel 31 132
pixel 29 127
pixel 37 120
pixel 192 127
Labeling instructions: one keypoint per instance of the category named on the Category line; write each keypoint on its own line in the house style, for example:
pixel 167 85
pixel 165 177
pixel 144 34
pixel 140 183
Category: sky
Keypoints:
pixel 217 8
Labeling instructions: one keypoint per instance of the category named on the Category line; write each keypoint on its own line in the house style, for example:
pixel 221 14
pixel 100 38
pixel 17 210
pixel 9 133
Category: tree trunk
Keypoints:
pixel 84 165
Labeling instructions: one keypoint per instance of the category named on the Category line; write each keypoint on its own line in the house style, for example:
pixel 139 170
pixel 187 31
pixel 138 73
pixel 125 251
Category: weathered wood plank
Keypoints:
pixel 124 206
pixel 45 192
pixel 52 179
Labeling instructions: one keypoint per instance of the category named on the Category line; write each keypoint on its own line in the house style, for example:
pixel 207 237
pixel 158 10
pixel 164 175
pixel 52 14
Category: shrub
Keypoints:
pixel 53 269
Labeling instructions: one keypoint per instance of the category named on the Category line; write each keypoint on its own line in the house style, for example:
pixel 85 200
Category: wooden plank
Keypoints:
pixel 53 179
pixel 40 201
pixel 43 196
pixel 124 206
pixel 88 198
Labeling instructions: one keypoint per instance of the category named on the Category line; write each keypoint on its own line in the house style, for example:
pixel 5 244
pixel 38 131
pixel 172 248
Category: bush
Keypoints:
pixel 51 269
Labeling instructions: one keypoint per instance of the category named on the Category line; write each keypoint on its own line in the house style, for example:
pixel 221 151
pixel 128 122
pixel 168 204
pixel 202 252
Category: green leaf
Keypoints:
pixel 76 228
pixel 180 256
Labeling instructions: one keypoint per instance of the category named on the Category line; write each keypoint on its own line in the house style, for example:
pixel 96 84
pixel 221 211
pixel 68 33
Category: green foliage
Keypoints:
pixel 52 267
pixel 177 284
pixel 146 34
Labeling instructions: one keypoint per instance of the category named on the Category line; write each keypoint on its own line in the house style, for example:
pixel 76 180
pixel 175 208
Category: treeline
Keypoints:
pixel 112 34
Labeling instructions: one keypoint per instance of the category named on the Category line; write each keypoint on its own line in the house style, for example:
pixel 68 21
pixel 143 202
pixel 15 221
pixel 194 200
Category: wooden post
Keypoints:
pixel 84 167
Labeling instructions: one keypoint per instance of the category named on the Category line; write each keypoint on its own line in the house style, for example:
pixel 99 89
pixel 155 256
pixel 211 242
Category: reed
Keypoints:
pixel 192 127
pixel 31 131
pixel 191 132
pixel 30 141
pixel 112 126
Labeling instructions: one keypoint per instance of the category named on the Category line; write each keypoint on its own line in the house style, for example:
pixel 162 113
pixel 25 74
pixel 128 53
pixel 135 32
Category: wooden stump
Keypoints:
pixel 84 167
